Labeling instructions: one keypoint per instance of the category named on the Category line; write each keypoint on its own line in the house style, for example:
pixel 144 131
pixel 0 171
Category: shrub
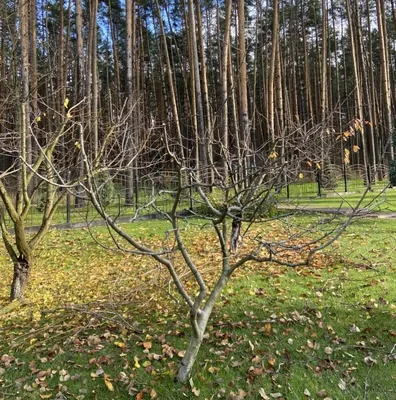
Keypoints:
pixel 329 178
pixel 392 172
pixel 267 209
pixel 257 209
pixel 215 199
pixel 107 191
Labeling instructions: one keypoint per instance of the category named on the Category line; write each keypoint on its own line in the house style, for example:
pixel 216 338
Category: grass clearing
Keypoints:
pixel 378 199
pixel 103 325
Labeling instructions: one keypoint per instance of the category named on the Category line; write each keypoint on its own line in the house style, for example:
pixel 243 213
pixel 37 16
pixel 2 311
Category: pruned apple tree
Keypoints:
pixel 239 198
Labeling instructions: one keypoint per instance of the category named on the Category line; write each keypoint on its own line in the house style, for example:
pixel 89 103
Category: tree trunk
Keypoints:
pixel 307 76
pixel 224 88
pixel 201 133
pixel 81 85
pixel 21 275
pixel 25 140
pixel 130 17
pixel 191 40
pixel 115 48
pixel 205 95
pixel 385 81
pixel 376 157
pixel 324 83
pixel 199 322
pixel 244 122
pixel 358 84
pixel 94 74
pixel 33 81
pixel 190 355
pixel 271 79
pixel 172 89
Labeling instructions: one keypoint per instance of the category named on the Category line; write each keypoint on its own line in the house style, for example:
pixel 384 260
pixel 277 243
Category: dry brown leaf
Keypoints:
pixel 271 360
pixel 140 396
pixel 342 384
pixel 263 395
pixel 370 361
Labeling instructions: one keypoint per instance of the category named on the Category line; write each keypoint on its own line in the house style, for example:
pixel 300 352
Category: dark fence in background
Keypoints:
pixel 310 183
pixel 333 179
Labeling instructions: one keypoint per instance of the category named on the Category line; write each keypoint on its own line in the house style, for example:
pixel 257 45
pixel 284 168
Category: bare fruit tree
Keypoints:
pixel 240 207
pixel 27 188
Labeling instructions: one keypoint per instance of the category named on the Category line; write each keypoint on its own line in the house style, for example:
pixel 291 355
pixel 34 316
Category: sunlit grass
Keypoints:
pixel 96 320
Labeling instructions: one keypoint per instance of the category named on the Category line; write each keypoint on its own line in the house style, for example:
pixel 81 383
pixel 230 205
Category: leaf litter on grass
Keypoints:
pixel 104 325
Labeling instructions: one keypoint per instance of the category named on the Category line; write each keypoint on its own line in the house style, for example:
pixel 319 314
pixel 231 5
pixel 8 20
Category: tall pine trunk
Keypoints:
pixel 224 87
pixel 81 84
pixel 131 27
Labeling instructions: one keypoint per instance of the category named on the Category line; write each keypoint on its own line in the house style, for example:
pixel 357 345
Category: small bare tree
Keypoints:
pixel 27 189
pixel 237 209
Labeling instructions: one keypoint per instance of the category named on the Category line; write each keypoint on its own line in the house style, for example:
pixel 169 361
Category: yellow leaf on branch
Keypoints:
pixel 346 158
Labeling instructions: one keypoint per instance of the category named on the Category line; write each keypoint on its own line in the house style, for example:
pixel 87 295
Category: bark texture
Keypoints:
pixel 21 276
pixel 190 356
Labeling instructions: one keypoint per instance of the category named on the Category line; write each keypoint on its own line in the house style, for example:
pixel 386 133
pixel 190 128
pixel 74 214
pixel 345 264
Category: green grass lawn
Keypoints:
pixel 378 199
pixel 164 202
pixel 103 325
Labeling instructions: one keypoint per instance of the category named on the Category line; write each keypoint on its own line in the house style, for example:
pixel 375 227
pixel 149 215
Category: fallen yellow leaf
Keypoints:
pixel 108 383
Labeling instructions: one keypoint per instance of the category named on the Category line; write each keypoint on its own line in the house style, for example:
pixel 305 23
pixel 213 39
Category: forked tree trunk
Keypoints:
pixel 199 324
pixel 21 275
